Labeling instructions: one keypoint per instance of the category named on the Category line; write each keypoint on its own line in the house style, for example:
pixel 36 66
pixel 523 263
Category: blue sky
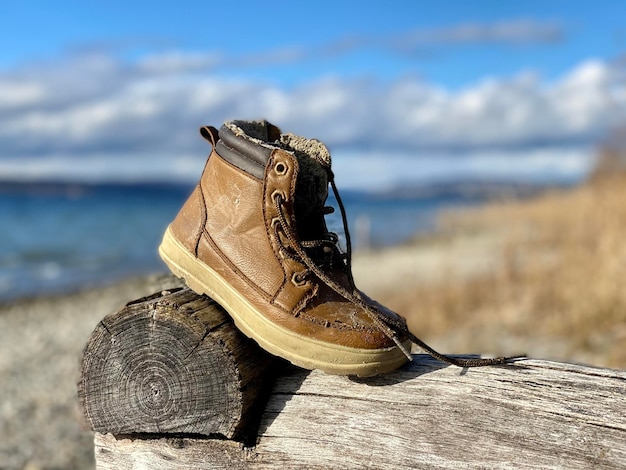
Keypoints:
pixel 519 90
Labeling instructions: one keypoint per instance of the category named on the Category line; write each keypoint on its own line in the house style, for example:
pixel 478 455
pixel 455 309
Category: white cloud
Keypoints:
pixel 505 112
pixel 98 168
pixel 143 112
pixel 178 61
pixel 14 94
pixel 354 170
pixel 384 171
pixel 518 31
pixel 504 32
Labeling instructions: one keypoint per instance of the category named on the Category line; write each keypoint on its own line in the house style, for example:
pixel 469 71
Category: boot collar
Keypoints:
pixel 249 144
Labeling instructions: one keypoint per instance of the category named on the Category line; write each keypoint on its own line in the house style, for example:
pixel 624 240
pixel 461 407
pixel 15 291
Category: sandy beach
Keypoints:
pixel 42 339
pixel 41 342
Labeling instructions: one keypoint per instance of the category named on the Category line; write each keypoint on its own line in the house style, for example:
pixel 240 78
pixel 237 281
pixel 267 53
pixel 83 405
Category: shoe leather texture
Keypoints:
pixel 231 224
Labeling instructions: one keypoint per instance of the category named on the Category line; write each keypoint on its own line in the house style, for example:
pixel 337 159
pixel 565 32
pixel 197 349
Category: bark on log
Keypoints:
pixel 172 363
pixel 535 414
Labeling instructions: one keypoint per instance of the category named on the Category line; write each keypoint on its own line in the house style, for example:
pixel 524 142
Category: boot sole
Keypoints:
pixel 300 350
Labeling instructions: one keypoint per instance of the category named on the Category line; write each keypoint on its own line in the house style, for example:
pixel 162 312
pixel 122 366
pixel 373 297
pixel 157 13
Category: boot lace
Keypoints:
pixel 392 327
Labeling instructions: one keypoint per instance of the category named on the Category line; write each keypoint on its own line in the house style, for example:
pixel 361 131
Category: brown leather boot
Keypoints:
pixel 252 236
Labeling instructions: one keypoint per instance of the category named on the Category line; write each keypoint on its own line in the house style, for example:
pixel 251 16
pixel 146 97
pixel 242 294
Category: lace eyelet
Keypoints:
pixel 280 168
pixel 298 279
pixel 278 193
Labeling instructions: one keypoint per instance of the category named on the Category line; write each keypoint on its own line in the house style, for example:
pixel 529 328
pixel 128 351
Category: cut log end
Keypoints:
pixel 171 363
pixel 167 372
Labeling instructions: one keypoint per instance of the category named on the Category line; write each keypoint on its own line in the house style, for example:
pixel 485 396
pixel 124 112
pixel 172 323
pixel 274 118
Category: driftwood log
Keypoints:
pixel 172 363
pixel 533 414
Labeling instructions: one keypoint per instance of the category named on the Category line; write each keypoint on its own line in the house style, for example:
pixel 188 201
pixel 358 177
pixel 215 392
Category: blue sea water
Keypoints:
pixel 57 237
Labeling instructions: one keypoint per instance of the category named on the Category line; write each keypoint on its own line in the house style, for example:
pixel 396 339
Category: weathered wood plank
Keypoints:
pixel 537 412
pixel 174 363
pixel 132 453
pixel 427 415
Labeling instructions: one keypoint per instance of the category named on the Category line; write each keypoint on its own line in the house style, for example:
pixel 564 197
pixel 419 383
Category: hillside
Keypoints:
pixel 543 276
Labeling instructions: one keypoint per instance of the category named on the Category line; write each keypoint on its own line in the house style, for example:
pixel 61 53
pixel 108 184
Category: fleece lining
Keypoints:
pixel 260 132
pixel 313 158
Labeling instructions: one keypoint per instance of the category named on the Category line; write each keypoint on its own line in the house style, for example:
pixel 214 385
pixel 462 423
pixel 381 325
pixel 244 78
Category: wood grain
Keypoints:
pixel 132 453
pixel 171 363
pixel 534 414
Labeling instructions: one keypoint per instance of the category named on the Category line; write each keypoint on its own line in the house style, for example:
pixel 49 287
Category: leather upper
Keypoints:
pixel 231 223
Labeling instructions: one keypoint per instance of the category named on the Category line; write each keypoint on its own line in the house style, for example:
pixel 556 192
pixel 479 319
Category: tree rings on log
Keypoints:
pixel 172 363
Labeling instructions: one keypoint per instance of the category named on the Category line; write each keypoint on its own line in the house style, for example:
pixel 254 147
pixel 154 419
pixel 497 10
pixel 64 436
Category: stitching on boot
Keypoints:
pixel 230 264
pixel 243 155
pixel 334 324
pixel 272 236
pixel 305 300
pixel 203 212
pixel 239 170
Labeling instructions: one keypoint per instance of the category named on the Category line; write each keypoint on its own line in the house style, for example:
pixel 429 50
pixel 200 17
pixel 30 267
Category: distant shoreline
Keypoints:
pixel 473 188
pixel 68 187
pixel 96 246
pixel 82 290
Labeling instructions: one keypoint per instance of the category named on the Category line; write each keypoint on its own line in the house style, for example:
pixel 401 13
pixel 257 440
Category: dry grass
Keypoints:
pixel 558 280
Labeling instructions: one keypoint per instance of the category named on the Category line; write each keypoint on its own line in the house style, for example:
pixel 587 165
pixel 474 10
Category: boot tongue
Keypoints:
pixel 311 185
